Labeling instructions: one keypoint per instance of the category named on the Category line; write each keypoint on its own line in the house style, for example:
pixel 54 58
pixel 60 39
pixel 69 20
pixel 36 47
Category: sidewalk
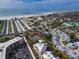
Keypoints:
pixel 29 48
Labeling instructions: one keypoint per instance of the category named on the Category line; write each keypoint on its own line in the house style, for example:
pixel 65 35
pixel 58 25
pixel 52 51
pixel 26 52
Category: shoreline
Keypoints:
pixel 29 15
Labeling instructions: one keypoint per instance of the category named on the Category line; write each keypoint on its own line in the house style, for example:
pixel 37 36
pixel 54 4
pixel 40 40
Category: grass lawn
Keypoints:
pixel 1 25
pixel 6 38
pixel 10 28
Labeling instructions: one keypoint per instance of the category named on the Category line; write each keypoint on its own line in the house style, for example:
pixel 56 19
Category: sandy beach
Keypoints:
pixel 20 16
pixel 10 17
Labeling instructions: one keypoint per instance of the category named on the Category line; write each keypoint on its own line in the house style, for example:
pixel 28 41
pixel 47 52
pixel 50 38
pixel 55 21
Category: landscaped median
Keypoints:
pixel 10 28
pixel 1 25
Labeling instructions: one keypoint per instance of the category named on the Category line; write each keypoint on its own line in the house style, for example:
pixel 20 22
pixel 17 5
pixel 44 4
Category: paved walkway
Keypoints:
pixel 21 26
pixel 29 48
pixel 26 25
pixel 18 28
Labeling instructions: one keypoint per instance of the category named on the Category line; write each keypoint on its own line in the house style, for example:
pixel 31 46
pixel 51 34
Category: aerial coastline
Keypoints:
pixel 39 29
pixel 32 33
pixel 27 15
pixel 38 14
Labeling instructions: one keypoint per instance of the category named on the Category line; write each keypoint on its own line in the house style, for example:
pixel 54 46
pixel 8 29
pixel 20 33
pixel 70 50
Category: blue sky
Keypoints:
pixel 39 4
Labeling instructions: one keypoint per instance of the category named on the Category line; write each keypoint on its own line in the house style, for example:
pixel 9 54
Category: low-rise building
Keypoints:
pixel 62 48
pixel 48 55
pixel 72 45
pixel 40 47
pixel 73 54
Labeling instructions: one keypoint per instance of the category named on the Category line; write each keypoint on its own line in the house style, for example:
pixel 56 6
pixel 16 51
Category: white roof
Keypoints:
pixel 65 36
pixel 57 33
pixel 77 43
pixel 40 45
pixel 74 54
pixel 48 55
pixel 72 45
pixel 62 48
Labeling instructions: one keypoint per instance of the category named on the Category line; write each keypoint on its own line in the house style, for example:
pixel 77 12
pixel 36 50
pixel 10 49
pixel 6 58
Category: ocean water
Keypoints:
pixel 15 12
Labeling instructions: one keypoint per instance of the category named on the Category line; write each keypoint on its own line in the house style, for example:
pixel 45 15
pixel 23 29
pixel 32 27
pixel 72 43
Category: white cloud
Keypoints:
pixel 21 4
pixel 11 4
pixel 59 1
